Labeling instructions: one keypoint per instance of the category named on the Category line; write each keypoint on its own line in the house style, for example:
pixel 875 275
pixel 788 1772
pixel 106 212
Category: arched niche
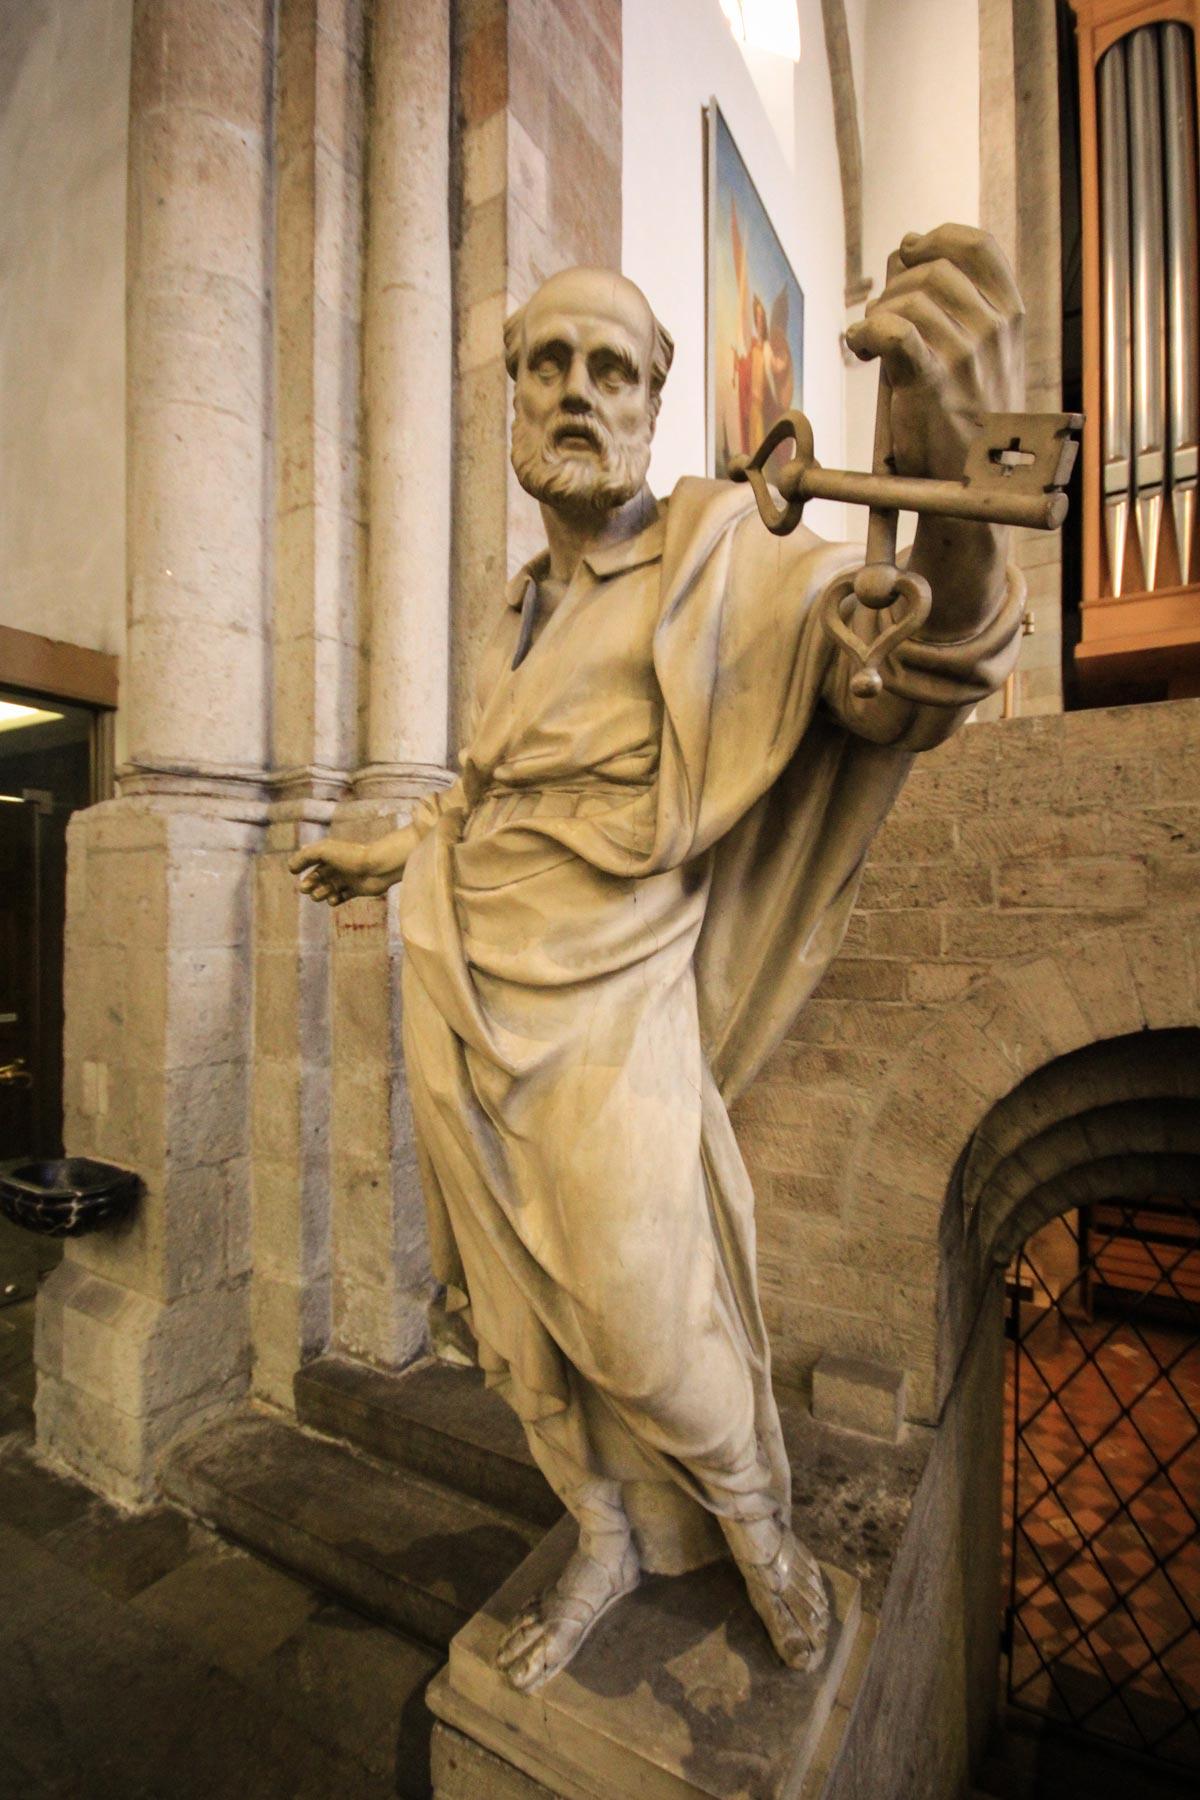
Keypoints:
pixel 954 1109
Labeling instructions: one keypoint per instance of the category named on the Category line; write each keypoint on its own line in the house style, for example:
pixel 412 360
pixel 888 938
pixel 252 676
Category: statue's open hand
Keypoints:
pixel 334 870
pixel 949 329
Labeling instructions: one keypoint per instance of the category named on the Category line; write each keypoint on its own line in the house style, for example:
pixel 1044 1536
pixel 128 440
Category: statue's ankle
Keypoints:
pixel 755 1543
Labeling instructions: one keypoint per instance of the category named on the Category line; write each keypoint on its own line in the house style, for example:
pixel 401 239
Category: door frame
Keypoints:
pixel 49 669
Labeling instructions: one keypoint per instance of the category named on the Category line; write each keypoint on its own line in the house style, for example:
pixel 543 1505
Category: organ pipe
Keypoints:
pixel 1183 308
pixel 1148 285
pixel 1114 221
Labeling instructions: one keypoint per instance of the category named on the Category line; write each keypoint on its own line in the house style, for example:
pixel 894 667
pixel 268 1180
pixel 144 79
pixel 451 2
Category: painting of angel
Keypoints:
pixel 755 309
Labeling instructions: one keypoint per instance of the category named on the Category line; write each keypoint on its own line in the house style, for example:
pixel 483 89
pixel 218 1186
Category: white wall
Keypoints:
pixel 921 121
pixel 916 69
pixel 676 55
pixel 64 104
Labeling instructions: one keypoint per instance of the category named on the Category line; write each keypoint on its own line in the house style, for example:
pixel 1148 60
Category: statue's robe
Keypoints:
pixel 643 870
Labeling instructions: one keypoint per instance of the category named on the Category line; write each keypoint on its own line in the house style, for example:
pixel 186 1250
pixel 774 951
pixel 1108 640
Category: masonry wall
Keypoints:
pixel 1036 888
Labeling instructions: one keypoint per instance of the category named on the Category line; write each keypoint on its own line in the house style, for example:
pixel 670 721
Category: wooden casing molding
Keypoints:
pixel 41 665
pixel 1143 636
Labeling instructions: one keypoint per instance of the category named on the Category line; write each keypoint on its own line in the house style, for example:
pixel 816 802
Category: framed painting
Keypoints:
pixel 755 305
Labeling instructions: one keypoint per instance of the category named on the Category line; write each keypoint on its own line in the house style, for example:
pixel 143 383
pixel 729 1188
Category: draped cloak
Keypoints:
pixel 610 919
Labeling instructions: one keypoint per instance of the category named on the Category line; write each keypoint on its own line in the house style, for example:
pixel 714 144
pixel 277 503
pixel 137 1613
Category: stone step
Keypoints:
pixel 408 1551
pixel 435 1419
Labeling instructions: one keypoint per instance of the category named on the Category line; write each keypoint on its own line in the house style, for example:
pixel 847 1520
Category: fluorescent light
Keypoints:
pixel 11 800
pixel 13 716
pixel 771 25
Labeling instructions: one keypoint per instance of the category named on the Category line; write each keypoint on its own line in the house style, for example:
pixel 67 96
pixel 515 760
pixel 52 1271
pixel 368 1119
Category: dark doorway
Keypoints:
pixel 1102 1626
pixel 46 754
pixel 49 754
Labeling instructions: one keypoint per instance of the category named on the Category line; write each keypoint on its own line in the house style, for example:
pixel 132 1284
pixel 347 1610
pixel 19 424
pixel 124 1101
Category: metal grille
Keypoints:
pixel 1102 1627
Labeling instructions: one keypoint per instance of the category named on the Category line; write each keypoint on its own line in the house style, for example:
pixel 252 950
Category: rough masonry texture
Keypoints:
pixel 1035 889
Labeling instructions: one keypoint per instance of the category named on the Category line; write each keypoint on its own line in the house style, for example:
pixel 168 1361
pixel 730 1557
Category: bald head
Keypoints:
pixel 595 294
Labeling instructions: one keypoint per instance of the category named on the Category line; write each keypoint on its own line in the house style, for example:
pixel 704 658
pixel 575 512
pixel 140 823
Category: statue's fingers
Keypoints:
pixel 953 291
pixel 898 344
pixel 303 858
pixel 976 253
pixel 949 343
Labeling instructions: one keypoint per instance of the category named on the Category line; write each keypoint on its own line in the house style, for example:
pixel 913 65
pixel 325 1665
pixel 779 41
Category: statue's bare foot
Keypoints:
pixel 787 1591
pixel 543 1639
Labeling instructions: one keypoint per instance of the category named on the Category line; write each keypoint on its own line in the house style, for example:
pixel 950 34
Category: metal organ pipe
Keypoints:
pixel 1183 305
pixel 1149 293
pixel 1114 221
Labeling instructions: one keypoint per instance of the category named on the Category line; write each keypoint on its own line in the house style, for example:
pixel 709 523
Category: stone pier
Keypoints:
pixel 144 1331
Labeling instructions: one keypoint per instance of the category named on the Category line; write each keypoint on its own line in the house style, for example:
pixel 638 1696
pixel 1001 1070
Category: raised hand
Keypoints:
pixel 949 329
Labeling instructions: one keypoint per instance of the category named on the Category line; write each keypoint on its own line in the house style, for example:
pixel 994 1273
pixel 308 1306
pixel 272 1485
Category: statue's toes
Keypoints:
pixel 536 1659
pixel 799 1642
pixel 526 1669
pixel 521 1635
pixel 801 1626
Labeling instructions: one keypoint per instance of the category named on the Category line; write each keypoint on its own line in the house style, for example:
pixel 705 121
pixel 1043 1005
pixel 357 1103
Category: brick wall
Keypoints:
pixel 1037 887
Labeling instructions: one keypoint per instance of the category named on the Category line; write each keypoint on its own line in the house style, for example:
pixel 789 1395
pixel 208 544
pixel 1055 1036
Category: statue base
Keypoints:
pixel 677 1694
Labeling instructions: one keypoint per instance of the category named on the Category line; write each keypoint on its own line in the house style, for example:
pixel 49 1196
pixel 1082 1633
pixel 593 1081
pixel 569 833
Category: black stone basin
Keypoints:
pixel 65 1197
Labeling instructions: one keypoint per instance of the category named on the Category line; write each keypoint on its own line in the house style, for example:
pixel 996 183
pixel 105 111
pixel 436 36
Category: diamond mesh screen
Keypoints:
pixel 1103 1442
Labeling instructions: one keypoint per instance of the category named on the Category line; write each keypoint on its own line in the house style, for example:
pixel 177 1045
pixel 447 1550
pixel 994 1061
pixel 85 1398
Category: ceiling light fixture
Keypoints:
pixel 13 716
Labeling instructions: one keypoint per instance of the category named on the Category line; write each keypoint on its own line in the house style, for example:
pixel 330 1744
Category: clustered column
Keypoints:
pixel 380 1263
pixel 144 1332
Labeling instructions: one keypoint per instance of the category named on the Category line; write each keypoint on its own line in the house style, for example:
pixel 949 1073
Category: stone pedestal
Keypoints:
pixel 677 1694
pixel 143 1330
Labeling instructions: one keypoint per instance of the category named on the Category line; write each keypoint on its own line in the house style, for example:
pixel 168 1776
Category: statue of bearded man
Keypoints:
pixel 611 917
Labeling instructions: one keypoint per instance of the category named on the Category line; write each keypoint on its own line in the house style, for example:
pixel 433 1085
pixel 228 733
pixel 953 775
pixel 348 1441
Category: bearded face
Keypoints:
pixel 577 462
pixel 583 415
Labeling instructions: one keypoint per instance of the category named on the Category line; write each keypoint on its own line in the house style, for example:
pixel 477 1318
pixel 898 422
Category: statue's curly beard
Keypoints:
pixel 574 480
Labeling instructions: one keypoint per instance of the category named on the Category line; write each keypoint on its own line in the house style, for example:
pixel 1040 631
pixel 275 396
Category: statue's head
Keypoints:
pixel 589 360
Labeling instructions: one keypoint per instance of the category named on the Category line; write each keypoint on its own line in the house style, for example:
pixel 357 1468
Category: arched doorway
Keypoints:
pixel 1084 1183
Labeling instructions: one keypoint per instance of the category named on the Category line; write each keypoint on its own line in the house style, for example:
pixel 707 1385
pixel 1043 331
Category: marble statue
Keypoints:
pixel 613 914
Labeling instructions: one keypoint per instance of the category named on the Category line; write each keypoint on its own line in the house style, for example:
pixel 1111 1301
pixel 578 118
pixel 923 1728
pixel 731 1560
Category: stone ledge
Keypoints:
pixel 859 1395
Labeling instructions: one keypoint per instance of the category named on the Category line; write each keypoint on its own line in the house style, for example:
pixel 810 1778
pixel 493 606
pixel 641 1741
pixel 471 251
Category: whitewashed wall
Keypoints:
pixel 64 107
pixel 677 54
pixel 916 69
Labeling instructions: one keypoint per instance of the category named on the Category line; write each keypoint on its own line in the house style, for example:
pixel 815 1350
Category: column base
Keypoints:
pixel 121 1375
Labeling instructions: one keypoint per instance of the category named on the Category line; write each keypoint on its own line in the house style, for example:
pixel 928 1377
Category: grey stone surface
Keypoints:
pixel 437 1420
pixel 404 1550
pixel 144 1659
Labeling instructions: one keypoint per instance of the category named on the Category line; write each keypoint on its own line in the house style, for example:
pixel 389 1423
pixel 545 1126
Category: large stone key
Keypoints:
pixel 1016 469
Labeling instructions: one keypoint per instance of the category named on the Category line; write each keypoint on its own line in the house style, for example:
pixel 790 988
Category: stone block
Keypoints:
pixel 207 1113
pixel 732 1720
pixel 940 983
pixel 1099 884
pixel 859 1395
pixel 485 160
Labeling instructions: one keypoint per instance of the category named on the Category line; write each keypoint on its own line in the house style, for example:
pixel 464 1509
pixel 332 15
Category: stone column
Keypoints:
pixel 317 584
pixel 539 110
pixel 1019 203
pixel 143 1330
pixel 408 397
pixel 381 1284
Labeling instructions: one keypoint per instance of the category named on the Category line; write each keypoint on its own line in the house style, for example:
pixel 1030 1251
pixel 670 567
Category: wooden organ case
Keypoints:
pixel 1138 66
